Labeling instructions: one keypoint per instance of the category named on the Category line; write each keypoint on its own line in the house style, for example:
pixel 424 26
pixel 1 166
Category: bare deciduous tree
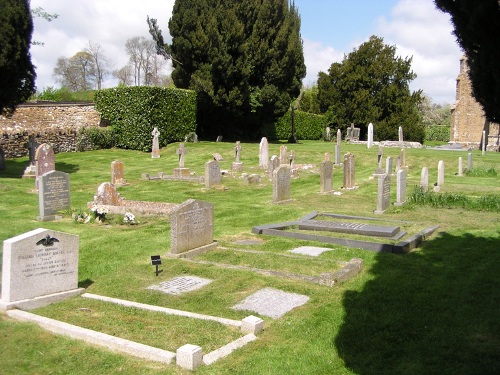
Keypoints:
pixel 101 62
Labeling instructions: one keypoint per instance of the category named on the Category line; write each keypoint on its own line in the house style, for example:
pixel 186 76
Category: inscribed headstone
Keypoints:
pixel 155 150
pixel 384 193
pixel 325 176
pixel 39 263
pixel 53 194
pixel 349 173
pixel 44 161
pixel 281 184
pixel 440 180
pixel 370 135
pixel 191 226
pixel 263 153
pixel 117 173
pixel 424 179
pixel 212 173
pixel 400 188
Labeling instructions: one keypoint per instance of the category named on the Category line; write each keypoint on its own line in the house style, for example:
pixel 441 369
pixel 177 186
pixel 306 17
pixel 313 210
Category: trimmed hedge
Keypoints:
pixel 133 112
pixel 437 133
pixel 308 126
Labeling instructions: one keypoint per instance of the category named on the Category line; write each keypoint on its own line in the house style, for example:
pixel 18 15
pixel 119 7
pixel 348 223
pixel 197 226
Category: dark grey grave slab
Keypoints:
pixel 179 285
pixel 271 302
pixel 352 228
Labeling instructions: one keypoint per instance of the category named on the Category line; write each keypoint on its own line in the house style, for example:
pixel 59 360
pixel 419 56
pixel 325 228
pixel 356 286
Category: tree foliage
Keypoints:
pixel 244 59
pixel 477 28
pixel 371 84
pixel 17 73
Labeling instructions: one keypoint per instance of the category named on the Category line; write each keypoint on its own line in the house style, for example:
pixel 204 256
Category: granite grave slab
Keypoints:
pixel 181 284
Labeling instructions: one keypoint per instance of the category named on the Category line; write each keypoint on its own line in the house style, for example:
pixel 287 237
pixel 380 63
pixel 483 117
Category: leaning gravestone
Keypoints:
pixel 281 184
pixel 192 228
pixel 39 267
pixel 212 173
pixel 44 161
pixel 2 159
pixel 400 188
pixel 53 195
pixel 384 193
pixel 325 176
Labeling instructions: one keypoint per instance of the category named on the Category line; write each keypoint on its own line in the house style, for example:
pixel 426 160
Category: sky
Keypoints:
pixel 330 29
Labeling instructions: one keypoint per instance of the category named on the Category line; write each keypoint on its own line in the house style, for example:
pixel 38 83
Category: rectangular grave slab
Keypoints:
pixel 351 228
pixel 310 250
pixel 179 285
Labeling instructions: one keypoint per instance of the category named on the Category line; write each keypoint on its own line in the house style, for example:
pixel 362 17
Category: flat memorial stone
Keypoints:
pixel 182 284
pixel 271 302
pixel 310 250
pixel 351 228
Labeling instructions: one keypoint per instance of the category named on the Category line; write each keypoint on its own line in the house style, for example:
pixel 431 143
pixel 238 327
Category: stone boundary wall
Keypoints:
pixel 54 123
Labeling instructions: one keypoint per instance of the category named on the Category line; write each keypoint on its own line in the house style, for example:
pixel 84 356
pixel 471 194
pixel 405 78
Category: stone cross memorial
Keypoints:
pixel 30 171
pixel 237 164
pixel 384 193
pixel 155 153
pixel 39 267
pixel 44 161
pixel 53 195
pixel 181 171
pixel 281 184
pixel 263 153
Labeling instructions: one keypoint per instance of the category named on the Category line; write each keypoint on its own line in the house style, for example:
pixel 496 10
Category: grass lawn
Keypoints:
pixel 432 311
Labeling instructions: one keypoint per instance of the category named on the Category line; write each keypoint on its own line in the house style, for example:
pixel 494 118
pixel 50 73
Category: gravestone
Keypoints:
pixel 355 134
pixel 339 136
pixel 30 171
pixel 380 153
pixel 469 161
pixel 252 179
pixel 219 138
pixel 212 174
pixel 275 162
pixel 440 179
pixel 2 159
pixel 39 267
pixel 291 159
pixel 326 156
pixel 349 173
pixel 44 161
pixel 388 165
pixel 237 165
pixel 460 167
pixel 402 158
pixel 192 228
pixel 398 164
pixel 325 176
pixel 181 170
pixel 53 195
pixel 107 195
pixel 281 184
pixel 337 154
pixel 400 134
pixel 424 180
pixel 370 135
pixel 263 153
pixel 180 285
pixel 283 158
pixel 117 173
pixel 155 150
pixel 217 156
pixel 483 143
pixel 400 188
pixel 327 133
pixel 384 194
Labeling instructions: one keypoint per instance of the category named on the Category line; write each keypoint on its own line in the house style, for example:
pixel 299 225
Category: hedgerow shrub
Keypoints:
pixel 307 126
pixel 94 138
pixel 437 133
pixel 133 112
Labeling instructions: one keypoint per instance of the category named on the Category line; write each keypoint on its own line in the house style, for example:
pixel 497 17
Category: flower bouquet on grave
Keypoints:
pixel 99 212
pixel 81 217
pixel 129 219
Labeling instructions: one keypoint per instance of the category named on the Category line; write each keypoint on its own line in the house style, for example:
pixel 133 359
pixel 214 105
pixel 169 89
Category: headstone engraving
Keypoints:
pixel 263 153
pixel 281 184
pixel 191 226
pixel 213 175
pixel 325 176
pixel 384 194
pixel 117 173
pixel 424 179
pixel 440 180
pixel 400 188
pixel 53 195
pixel 39 267
pixel 44 161
pixel 370 135
pixel 349 172
pixel 155 150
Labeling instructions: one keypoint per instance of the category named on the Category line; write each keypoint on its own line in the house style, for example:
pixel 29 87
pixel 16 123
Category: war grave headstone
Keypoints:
pixel 237 164
pixel 2 159
pixel 440 177
pixel 460 167
pixel 181 170
pixel 109 198
pixel 424 180
pixel 384 193
pixel 283 156
pixel 281 184
pixel 155 149
pixel 349 172
pixel 181 284
pixel 53 195
pixel 117 173
pixel 369 143
pixel 192 229
pixel 273 165
pixel 271 302
pixel 388 165
pixel 325 177
pixel 263 153
pixel 469 161
pixel 213 174
pixel 30 171
pixel 44 161
pixel 400 134
pixel 39 267
pixel 400 188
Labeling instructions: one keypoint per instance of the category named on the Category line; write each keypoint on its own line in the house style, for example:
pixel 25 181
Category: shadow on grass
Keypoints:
pixel 434 311
pixel 85 283
pixel 15 168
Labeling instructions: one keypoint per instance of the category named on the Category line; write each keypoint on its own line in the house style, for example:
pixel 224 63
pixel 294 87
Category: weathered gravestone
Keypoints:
pixel 398 163
pixel 275 162
pixel 237 165
pixel 219 138
pixel 388 165
pixel 440 177
pixel 44 161
pixel 400 134
pixel 402 158
pixel 117 173
pixel 369 143
pixel 213 175
pixel 460 167
pixel 379 169
pixel 2 159
pixel 39 267
pixel 349 173
pixel 400 188
pixel 30 171
pixel 327 133
pixel 192 228
pixel 281 184
pixel 424 180
pixel 325 176
pixel 181 170
pixel 469 161
pixel 384 193
pixel 283 158
pixel 155 150
pixel 263 153
pixel 53 195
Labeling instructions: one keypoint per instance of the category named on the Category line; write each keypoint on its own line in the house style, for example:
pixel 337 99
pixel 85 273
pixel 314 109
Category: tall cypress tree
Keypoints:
pixel 17 73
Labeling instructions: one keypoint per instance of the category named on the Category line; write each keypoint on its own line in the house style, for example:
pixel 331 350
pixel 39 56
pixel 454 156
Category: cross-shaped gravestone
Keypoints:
pixel 32 146
pixel 181 151
pixel 155 153
pixel 237 150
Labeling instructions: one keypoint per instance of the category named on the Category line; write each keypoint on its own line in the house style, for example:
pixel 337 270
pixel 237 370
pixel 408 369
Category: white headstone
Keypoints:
pixel 424 179
pixel 460 167
pixel 440 180
pixel 483 143
pixel 370 135
pixel 155 150
pixel 339 136
pixel 264 153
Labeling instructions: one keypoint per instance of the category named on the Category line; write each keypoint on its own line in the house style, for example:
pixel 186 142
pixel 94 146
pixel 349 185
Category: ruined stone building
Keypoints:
pixel 467 116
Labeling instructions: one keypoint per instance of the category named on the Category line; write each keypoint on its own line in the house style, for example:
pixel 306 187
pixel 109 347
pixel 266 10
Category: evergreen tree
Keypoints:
pixel 17 73
pixel 372 85
pixel 244 59
pixel 477 28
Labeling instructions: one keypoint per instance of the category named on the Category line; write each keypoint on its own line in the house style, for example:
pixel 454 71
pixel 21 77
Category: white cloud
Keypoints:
pixel 318 58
